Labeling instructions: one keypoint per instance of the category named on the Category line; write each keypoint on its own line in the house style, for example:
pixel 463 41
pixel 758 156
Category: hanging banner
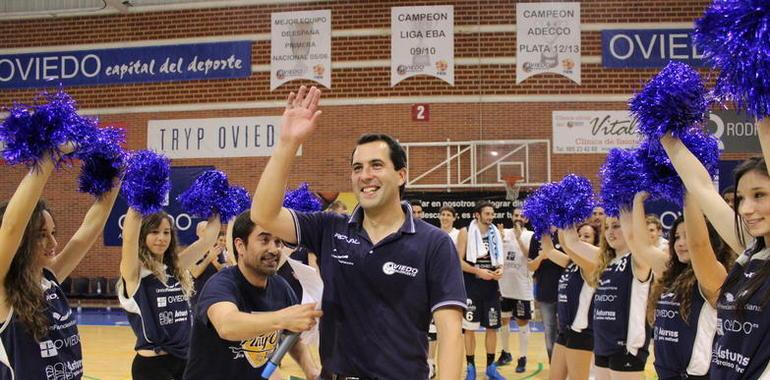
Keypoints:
pixel 548 40
pixel 214 60
pixel 593 131
pixel 422 42
pixel 643 48
pixel 301 47
pixel 214 138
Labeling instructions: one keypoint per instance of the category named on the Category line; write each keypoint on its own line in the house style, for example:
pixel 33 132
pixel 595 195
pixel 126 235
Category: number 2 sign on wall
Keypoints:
pixel 420 112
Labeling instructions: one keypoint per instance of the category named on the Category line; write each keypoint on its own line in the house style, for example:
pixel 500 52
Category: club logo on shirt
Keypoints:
pixel 391 268
pixel 735 326
pixel 257 350
pixel 48 349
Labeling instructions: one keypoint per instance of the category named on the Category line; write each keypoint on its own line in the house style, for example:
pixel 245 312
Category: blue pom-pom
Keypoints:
pixel 301 199
pixel 672 101
pixel 621 178
pixel 663 180
pixel 206 192
pixel 539 208
pixel 575 202
pixel 146 183
pixel 103 160
pixel 236 202
pixel 31 133
pixel 733 36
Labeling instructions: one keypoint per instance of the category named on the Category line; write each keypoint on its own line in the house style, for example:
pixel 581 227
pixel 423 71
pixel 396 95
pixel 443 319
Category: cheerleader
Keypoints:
pixel 743 319
pixel 573 350
pixel 622 284
pixel 682 302
pixel 155 288
pixel 34 310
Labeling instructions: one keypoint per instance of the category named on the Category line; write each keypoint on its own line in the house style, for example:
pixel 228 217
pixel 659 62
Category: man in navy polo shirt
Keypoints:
pixel 243 309
pixel 385 273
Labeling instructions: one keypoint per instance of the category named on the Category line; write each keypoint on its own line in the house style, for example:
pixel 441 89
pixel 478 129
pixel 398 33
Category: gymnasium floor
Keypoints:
pixel 108 350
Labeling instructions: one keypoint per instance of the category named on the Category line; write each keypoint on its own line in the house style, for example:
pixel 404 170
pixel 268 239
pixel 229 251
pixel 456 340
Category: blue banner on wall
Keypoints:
pixel 127 65
pixel 181 179
pixel 627 48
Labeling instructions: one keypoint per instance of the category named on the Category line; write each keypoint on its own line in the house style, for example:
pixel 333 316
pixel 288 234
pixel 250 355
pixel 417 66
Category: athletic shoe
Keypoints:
pixel 470 372
pixel 521 365
pixel 505 359
pixel 492 373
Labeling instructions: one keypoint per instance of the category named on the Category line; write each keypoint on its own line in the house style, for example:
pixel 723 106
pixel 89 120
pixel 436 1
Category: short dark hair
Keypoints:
pixel 397 152
pixel 415 202
pixel 243 226
pixel 448 208
pixel 728 190
pixel 480 206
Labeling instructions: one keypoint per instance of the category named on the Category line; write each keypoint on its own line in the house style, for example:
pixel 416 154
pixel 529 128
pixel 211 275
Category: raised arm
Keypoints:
pixel 560 258
pixel 639 242
pixel 200 266
pixel 641 268
pixel 205 241
pixel 85 237
pixel 699 186
pixel 581 261
pixel 298 122
pixel 229 243
pixel 711 274
pixel 578 250
pixel 18 213
pixel 129 253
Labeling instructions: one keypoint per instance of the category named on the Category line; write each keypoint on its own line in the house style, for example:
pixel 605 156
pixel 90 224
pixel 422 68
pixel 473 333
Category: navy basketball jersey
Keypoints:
pixel 57 356
pixel 683 348
pixel 620 308
pixel 742 350
pixel 159 314
pixel 574 306
pixel 483 261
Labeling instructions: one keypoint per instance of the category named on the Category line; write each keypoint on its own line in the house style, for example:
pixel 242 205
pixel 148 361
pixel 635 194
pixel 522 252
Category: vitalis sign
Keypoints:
pixel 593 131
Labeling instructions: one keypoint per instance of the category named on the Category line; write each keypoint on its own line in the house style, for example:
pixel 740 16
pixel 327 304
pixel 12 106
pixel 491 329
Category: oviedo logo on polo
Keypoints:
pixel 391 268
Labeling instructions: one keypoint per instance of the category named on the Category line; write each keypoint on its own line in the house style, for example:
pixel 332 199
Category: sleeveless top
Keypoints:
pixel 741 350
pixel 620 310
pixel 57 356
pixel 159 314
pixel 683 348
pixel 574 307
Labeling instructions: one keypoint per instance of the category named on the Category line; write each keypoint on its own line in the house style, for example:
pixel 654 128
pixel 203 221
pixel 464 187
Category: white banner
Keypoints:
pixel 422 42
pixel 301 47
pixel 593 131
pixel 214 138
pixel 548 40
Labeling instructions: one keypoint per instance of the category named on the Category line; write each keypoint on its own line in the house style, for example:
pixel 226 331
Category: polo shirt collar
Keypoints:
pixel 357 217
